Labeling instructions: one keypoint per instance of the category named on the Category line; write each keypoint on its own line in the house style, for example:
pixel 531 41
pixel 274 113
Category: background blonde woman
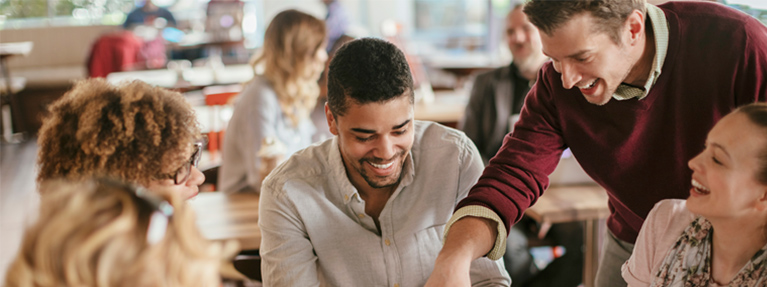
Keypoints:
pixel 277 104
pixel 105 233
pixel 134 132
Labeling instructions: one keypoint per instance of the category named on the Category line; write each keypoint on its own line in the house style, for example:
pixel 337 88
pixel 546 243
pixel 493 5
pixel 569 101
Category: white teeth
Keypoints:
pixel 589 86
pixel 381 166
pixel 699 186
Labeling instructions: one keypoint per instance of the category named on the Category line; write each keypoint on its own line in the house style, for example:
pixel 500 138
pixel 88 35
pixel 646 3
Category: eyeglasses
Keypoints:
pixel 183 173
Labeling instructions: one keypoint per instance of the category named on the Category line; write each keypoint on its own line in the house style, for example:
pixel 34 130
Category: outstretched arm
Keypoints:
pixel 469 238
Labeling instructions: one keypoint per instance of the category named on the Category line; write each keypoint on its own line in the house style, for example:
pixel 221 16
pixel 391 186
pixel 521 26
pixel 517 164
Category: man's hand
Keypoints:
pixel 469 238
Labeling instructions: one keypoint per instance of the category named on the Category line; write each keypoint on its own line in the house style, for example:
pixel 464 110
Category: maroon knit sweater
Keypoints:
pixel 636 149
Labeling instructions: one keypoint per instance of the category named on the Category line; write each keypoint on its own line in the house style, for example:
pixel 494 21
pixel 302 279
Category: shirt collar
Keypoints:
pixel 346 189
pixel 660 30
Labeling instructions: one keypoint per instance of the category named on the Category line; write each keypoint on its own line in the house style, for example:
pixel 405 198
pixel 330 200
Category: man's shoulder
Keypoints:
pixel 304 165
pixel 700 11
pixel 434 135
pixel 494 74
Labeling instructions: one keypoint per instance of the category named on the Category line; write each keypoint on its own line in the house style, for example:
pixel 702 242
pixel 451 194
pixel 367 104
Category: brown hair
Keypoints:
pixel 133 131
pixel 608 15
pixel 94 233
pixel 290 43
pixel 757 114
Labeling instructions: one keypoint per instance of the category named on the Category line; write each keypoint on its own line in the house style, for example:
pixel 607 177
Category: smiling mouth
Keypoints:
pixel 589 86
pixel 699 188
pixel 382 166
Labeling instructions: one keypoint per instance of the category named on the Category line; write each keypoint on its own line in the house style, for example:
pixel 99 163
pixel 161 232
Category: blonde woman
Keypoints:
pixel 100 232
pixel 275 106
pixel 135 132
pixel 718 235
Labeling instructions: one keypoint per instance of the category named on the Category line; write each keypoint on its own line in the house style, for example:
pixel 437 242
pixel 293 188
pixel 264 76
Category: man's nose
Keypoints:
pixel 385 149
pixel 570 75
pixel 517 37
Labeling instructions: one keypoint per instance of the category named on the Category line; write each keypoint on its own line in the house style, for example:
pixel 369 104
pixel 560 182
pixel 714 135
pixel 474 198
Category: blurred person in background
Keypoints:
pixel 274 108
pixel 102 232
pixel 134 132
pixel 336 22
pixel 146 14
pixel 497 96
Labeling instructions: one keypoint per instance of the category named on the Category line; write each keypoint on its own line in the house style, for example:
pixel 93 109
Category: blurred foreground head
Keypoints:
pixel 101 232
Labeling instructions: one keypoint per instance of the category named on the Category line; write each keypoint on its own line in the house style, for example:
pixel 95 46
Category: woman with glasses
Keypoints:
pixel 100 232
pixel 275 107
pixel 135 132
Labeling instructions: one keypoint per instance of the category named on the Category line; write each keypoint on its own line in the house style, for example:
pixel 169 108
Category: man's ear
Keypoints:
pixel 636 26
pixel 332 125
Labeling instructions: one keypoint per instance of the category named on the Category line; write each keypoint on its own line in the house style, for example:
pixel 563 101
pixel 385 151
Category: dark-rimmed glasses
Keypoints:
pixel 183 173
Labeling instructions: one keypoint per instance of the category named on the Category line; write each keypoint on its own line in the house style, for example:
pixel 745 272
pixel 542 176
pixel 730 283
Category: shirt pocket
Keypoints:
pixel 429 244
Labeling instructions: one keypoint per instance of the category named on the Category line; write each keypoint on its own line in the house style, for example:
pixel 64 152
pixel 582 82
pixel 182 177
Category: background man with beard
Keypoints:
pixel 495 97
pixel 368 206
pixel 632 90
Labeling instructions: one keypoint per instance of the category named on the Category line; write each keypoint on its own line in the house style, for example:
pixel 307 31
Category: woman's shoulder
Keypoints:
pixel 258 90
pixel 670 215
pixel 672 207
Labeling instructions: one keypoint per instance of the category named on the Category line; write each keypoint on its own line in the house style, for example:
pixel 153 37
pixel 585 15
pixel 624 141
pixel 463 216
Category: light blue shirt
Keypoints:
pixel 257 115
pixel 315 231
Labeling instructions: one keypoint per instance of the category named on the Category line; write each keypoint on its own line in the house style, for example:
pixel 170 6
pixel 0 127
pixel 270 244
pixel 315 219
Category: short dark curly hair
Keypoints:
pixel 134 132
pixel 367 70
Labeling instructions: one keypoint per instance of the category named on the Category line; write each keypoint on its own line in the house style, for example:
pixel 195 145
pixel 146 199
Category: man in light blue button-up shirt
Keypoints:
pixel 368 207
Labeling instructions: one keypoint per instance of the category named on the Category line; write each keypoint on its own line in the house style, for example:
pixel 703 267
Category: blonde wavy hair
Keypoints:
pixel 93 232
pixel 134 131
pixel 290 45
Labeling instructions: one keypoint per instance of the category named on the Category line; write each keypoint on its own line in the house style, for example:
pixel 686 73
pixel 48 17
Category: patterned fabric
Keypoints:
pixel 688 263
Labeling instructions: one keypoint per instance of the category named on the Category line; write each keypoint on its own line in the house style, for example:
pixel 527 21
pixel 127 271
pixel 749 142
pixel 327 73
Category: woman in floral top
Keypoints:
pixel 718 236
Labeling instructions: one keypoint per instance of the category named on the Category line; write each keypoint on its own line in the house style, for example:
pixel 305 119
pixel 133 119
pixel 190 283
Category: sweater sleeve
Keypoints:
pixel 518 174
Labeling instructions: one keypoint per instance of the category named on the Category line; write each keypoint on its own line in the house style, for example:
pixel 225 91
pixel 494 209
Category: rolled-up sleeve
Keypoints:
pixel 487 271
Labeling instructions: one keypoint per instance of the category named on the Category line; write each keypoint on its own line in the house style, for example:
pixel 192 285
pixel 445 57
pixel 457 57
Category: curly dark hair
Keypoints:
pixel 134 131
pixel 367 70
pixel 608 15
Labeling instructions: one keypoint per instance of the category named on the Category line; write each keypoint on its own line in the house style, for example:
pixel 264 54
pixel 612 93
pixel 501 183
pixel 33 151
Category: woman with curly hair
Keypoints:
pixel 134 132
pixel 101 232
pixel 275 106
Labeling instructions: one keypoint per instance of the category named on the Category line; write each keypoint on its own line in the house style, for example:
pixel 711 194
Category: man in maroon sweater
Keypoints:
pixel 632 90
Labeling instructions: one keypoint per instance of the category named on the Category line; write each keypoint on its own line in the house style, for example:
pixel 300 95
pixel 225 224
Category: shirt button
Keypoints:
pixel 396 284
pixel 346 197
pixel 387 242
pixel 361 215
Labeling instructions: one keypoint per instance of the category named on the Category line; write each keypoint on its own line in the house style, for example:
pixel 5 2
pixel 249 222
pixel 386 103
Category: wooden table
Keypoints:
pixel 586 203
pixel 222 216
